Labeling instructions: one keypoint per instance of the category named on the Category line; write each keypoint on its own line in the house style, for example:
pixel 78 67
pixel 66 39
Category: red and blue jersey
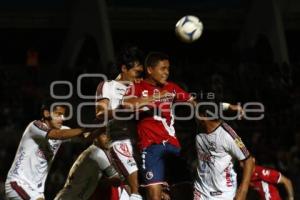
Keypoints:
pixel 157 127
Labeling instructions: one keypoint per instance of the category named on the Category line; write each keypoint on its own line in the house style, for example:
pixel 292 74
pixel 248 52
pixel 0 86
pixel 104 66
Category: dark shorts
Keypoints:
pixel 153 162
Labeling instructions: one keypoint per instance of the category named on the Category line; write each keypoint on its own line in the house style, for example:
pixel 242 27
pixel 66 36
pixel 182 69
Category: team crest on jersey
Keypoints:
pixel 149 175
pixel 41 125
pixel 123 149
pixel 206 157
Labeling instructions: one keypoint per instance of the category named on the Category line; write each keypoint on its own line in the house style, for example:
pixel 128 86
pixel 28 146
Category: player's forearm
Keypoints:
pixel 59 134
pixel 104 115
pixel 133 103
pixel 289 188
pixel 247 172
pixel 89 134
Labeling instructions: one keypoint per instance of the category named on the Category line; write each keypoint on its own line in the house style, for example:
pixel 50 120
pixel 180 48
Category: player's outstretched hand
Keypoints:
pixel 165 196
pixel 238 108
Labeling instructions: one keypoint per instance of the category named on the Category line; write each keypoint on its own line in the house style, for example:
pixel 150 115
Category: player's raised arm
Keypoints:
pixel 224 106
pixel 102 110
pixel 287 183
pixel 235 146
pixel 62 134
pixel 136 102
pixel 242 191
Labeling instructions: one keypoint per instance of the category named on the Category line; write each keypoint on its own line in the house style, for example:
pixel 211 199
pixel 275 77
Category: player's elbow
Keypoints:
pixel 285 180
pixel 100 115
pixel 249 163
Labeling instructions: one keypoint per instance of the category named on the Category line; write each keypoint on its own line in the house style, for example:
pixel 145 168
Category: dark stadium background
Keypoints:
pixel 249 51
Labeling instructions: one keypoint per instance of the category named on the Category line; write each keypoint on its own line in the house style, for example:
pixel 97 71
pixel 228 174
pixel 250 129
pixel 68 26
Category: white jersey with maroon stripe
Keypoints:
pixel 119 131
pixel 111 90
pixel 34 157
pixel 216 178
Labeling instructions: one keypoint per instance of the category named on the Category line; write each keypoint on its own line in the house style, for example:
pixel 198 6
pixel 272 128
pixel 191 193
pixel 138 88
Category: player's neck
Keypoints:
pixel 211 126
pixel 152 81
pixel 121 78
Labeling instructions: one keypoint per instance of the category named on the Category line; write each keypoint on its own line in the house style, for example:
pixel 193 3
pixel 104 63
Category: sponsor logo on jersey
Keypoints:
pixel 131 162
pixel 145 93
pixel 265 172
pixel 212 146
pixel 228 177
pixel 215 193
pixel 121 90
pixel 19 161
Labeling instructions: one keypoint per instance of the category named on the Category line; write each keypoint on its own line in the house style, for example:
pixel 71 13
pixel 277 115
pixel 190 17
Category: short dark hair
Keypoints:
pixel 153 58
pixel 46 105
pixel 128 56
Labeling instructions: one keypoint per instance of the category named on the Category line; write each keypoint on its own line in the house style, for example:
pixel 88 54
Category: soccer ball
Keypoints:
pixel 189 28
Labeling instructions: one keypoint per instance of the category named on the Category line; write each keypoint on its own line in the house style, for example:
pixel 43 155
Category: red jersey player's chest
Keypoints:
pixel 149 90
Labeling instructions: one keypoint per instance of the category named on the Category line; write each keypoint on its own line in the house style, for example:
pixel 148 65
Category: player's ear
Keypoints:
pixel 149 70
pixel 123 68
pixel 46 114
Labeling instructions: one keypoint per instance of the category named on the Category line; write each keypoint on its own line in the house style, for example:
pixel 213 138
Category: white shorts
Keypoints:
pixel 122 155
pixel 209 195
pixel 16 190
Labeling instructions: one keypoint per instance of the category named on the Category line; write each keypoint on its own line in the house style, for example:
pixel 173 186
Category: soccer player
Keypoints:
pixel 109 97
pixel 264 181
pixel 87 170
pixel 155 127
pixel 217 146
pixel 37 149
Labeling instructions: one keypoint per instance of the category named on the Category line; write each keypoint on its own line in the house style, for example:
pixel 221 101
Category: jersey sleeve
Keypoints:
pixel 233 144
pixel 102 159
pixel 268 175
pixel 102 91
pixel 104 164
pixel 181 95
pixel 38 129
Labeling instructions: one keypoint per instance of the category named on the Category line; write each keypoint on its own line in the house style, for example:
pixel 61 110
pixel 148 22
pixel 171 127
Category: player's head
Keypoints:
pixel 129 63
pixel 207 111
pixel 103 141
pixel 53 114
pixel 157 67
